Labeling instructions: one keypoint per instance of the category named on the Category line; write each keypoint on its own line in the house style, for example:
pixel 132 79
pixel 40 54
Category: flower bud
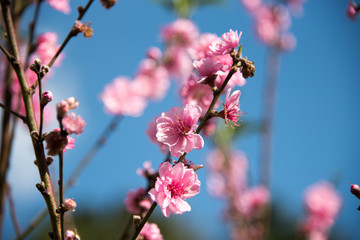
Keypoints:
pixel 108 3
pixel 46 97
pixel 37 63
pixel 355 189
pixel 69 205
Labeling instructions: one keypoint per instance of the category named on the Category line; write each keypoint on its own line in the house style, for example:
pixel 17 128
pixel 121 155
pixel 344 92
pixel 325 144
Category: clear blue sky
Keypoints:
pixel 317 115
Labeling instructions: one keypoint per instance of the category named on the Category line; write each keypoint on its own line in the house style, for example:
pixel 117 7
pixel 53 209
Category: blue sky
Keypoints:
pixel 316 132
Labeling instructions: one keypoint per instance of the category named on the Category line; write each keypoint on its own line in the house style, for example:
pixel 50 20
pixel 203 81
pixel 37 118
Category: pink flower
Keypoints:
pixel 252 199
pixel 176 129
pixel 46 97
pixel 151 231
pixel 120 98
pixel 181 32
pixel 230 40
pixel 55 142
pixel 138 201
pixel 70 144
pixel 231 112
pixel 65 106
pixel 47 47
pixel 151 133
pixel 208 69
pixel 70 235
pixel 351 11
pixel 154 53
pixel 69 204
pixel 173 185
pixel 200 48
pixel 73 124
pixel 177 62
pixel 60 5
pixel 151 81
pixel 322 204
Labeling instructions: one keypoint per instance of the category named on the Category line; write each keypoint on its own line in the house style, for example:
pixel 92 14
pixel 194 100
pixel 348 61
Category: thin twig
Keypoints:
pixel 32 26
pixel 12 210
pixel 7 54
pixel 23 118
pixel 61 193
pixel 144 220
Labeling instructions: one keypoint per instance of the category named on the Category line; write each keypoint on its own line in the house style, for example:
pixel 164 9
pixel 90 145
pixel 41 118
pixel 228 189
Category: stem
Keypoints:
pixel 61 192
pixel 46 186
pixel 267 124
pixel 12 211
pixel 142 224
pixel 32 26
pixel 7 54
pixel 23 118
pixel 41 106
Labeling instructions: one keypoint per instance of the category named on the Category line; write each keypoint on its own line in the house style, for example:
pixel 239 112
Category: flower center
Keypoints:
pixel 177 189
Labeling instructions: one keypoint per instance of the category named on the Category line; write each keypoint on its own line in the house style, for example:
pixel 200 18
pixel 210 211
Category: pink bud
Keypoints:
pixel 69 204
pixel 355 189
pixel 46 98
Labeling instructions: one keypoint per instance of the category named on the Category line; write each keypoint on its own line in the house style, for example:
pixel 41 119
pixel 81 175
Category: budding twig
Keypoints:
pixel 23 118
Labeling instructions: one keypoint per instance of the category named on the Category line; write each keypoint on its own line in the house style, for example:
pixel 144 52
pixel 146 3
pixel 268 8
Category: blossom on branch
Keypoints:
pixel 231 112
pixel 208 69
pixel 176 129
pixel 73 124
pixel 60 5
pixel 230 40
pixel 56 142
pixel 138 201
pixel 63 107
pixel 174 184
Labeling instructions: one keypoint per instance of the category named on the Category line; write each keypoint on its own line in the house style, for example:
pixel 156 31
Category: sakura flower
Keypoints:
pixel 120 98
pixel 154 53
pixel 174 184
pixel 230 40
pixel 147 171
pixel 231 112
pixel 208 69
pixel 150 231
pixel 151 81
pixel 73 124
pixel 60 5
pixel 46 97
pixel 252 199
pixel 70 143
pixel 322 204
pixel 351 10
pixel 200 49
pixel 176 129
pixel 138 201
pixel 55 142
pixel 65 106
pixel 181 32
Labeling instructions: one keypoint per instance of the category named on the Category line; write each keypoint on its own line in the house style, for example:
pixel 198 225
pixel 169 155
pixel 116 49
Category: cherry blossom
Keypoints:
pixel 208 69
pixel 181 32
pixel 174 184
pixel 231 112
pixel 229 41
pixel 120 98
pixel 55 142
pixel 73 124
pixel 176 129
pixel 151 133
pixel 65 106
pixel 138 201
pixel 69 204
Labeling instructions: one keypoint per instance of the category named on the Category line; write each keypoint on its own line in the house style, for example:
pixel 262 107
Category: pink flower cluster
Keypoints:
pixel 57 140
pixel 174 184
pixel 322 204
pixel 228 180
pixel 272 22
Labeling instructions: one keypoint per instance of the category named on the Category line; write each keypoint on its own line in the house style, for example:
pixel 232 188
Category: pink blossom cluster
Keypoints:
pixel 322 204
pixel 129 97
pixel 173 186
pixel 272 22
pixel 228 179
pixel 59 140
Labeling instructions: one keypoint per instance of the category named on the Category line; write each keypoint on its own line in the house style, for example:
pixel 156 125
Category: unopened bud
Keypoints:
pixel 37 63
pixel 69 204
pixel 46 97
pixel 355 189
pixel 108 3
pixel 136 220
